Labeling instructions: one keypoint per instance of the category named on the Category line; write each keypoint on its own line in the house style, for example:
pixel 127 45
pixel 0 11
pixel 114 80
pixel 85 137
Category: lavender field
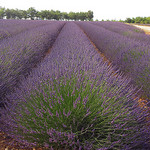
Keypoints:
pixel 57 91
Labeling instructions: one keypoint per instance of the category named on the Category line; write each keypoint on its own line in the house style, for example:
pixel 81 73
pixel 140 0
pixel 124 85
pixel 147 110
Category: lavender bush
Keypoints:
pixel 19 54
pixel 73 100
pixel 9 28
pixel 129 55
pixel 125 29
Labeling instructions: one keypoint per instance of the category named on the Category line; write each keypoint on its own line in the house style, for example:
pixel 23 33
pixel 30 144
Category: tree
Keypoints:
pixel 19 14
pixel 32 13
pixel 121 20
pixel 2 12
pixel 53 14
pixel 82 16
pixel 128 20
pixel 8 13
pixel 24 14
pixel 147 20
pixel 57 15
pixel 72 16
pixel 89 15
pixel 13 13
pixel 42 14
pixel 138 19
pixel 65 16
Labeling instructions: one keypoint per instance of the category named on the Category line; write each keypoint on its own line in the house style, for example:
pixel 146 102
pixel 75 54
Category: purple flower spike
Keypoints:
pixel 74 100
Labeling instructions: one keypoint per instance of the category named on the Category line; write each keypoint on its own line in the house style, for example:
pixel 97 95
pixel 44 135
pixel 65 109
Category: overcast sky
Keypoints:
pixel 103 9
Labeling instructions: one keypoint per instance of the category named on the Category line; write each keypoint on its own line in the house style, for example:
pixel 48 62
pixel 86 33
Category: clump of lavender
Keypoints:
pixel 130 55
pixel 127 30
pixel 9 27
pixel 23 51
pixel 77 111
pixel 75 101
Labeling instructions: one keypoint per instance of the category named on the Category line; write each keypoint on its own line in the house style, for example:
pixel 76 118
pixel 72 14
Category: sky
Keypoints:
pixel 103 9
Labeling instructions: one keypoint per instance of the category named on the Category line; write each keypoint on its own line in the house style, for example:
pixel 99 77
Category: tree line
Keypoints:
pixel 141 20
pixel 33 14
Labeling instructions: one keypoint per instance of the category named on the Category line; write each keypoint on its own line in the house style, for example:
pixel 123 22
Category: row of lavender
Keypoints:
pixel 10 28
pixel 125 30
pixel 20 53
pixel 73 100
pixel 128 54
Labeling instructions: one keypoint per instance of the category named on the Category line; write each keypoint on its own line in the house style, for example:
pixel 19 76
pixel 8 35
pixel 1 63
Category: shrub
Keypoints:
pixel 74 100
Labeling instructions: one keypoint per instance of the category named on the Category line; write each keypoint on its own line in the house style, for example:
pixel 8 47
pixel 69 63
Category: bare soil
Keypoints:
pixel 146 29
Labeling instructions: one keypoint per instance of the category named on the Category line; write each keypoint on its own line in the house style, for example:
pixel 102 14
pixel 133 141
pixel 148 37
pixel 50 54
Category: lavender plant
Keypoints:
pixel 129 55
pixel 125 30
pixel 19 54
pixel 9 28
pixel 73 100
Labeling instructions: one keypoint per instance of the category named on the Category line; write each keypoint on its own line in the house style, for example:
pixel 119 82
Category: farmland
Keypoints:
pixel 74 85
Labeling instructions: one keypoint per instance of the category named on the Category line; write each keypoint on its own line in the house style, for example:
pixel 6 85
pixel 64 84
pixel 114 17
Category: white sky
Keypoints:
pixel 103 9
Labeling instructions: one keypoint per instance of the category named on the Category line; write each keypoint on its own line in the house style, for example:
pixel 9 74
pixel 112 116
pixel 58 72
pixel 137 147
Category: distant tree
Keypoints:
pixel 8 13
pixel 113 20
pixel 65 16
pixel 128 20
pixel 49 14
pixel 13 13
pixel 37 15
pixel 43 14
pixel 72 16
pixel 18 14
pixel 138 19
pixel 89 15
pixel 24 14
pixel 2 12
pixel 133 20
pixel 121 20
pixel 53 14
pixel 32 13
pixel 57 15
pixel 82 16
pixel 147 20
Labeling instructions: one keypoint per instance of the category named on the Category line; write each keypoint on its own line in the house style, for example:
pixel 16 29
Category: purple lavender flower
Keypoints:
pixel 23 50
pixel 101 113
pixel 128 53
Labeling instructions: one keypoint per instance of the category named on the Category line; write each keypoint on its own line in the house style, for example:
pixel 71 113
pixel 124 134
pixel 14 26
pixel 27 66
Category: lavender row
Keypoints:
pixel 19 54
pixel 73 100
pixel 126 30
pixel 130 56
pixel 10 28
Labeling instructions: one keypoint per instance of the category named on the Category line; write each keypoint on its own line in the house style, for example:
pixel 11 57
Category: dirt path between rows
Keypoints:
pixel 146 29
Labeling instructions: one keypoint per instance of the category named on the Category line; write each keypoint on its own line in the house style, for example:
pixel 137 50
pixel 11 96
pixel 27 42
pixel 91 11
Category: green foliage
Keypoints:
pixel 90 15
pixel 128 20
pixel 140 20
pixel 2 12
pixel 93 110
pixel 72 16
pixel 8 13
pixel 32 14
